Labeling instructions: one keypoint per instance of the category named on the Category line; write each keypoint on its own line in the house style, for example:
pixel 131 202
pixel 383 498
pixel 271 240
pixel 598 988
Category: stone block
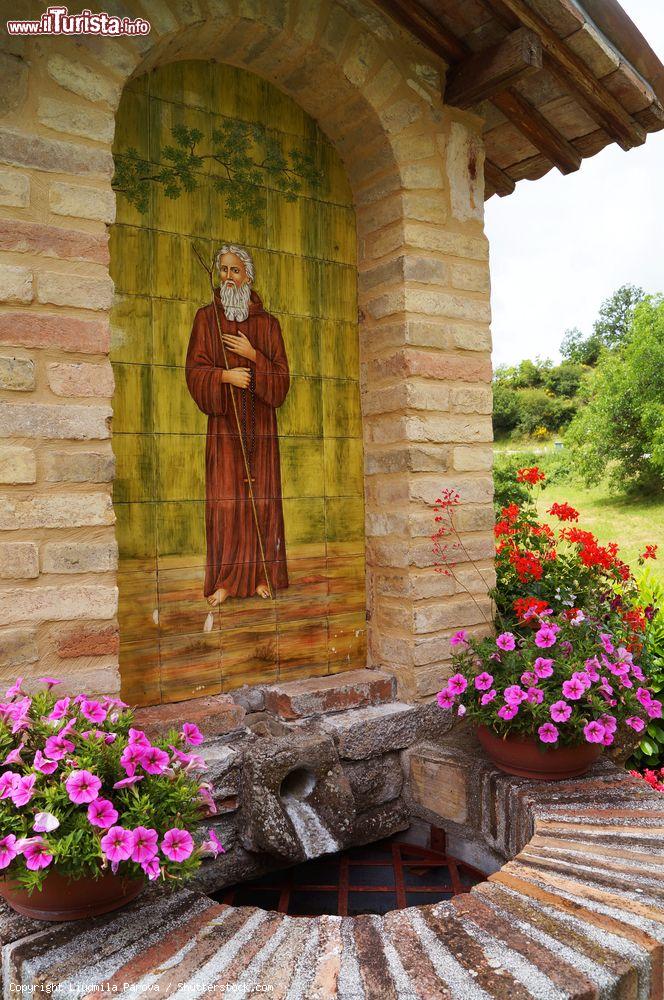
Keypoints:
pixel 375 780
pixel 65 333
pixel 250 696
pixel 223 771
pixel 214 715
pixel 381 821
pixel 19 560
pixel 476 459
pixel 88 640
pixel 14 189
pixel 446 241
pixel 79 557
pixel 450 615
pixel 81 80
pixel 17 464
pixel 438 785
pixel 53 241
pixel 15 284
pixel 476 399
pixel 367 732
pixel 49 420
pixel 470 277
pixel 41 604
pixel 81 379
pixel 24 149
pixel 465 173
pixel 81 202
pixel 78 466
pixel 14 75
pixel 56 510
pixel 17 374
pixel 335 693
pixel 76 119
pixel 18 648
pixel 66 289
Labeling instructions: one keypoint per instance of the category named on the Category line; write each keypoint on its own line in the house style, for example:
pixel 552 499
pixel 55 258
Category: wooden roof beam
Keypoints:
pixel 420 23
pixel 482 75
pixel 498 180
pixel 537 129
pixel 574 74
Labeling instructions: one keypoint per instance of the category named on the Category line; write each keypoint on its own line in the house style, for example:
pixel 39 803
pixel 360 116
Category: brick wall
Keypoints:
pixel 415 166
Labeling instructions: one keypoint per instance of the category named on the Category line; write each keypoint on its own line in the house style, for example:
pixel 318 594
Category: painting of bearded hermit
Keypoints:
pixel 237 373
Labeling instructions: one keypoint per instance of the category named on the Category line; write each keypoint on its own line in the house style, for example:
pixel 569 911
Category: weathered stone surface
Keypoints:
pixel 64 289
pixel 79 557
pixel 82 80
pixel 472 459
pixel 81 202
pixel 213 715
pixel 76 119
pixel 41 604
pixel 52 241
pixel 48 420
pixel 17 464
pixel 250 696
pixel 15 284
pixel 335 693
pixel 375 780
pixel 88 640
pixel 14 75
pixel 69 510
pixel 28 150
pixel 437 785
pixel 290 777
pixel 381 821
pixel 17 374
pixel 79 466
pixel 366 732
pixel 19 560
pixel 81 379
pixel 14 189
pixel 223 773
pixel 66 333
pixel 18 648
pixel 465 172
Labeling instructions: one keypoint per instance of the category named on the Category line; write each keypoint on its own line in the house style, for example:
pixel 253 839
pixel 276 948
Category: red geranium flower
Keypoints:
pixel 650 552
pixel 532 476
pixel 563 512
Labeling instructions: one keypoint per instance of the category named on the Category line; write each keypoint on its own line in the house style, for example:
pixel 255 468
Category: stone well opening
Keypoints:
pixel 298 784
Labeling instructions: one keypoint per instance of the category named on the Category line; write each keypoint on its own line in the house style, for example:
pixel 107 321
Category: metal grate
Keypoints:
pixel 377 878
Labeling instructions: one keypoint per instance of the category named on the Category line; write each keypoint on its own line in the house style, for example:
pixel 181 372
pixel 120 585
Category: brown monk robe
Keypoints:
pixel 234 561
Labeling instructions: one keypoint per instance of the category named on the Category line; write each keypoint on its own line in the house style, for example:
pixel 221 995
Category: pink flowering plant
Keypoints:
pixel 83 792
pixel 564 682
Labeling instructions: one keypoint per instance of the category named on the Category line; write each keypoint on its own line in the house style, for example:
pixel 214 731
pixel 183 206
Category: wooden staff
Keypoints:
pixel 210 271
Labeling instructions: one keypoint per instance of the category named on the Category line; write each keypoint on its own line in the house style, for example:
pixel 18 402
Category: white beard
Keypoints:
pixel 235 301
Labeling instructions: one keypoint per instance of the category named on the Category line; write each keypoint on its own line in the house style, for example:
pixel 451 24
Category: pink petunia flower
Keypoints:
pixel 459 638
pixel 606 642
pixel 126 782
pixel 545 637
pixel 57 747
pixel 488 697
pixel 14 756
pixel 205 788
pixel 594 732
pixel 543 667
pixel 8 850
pixel 8 781
pixel 138 738
pixel 212 845
pixel 529 678
pixel 483 681
pixel 132 756
pixel 151 868
pixel 514 694
pixel 548 733
pixel 19 714
pixel 154 760
pixel 60 709
pixel 93 711
pixel 560 711
pixel 50 682
pixel 637 724
pixel 102 813
pixel 23 790
pixel 36 855
pixel 573 689
pixel 177 844
pixel 45 822
pixel 654 709
pixel 145 844
pixel 40 763
pixel 582 677
pixel 535 695
pixel 191 734
pixel 506 642
pixel 610 723
pixel 445 698
pixel 644 696
pixel 82 786
pixel 15 689
pixel 118 844
pixel 508 711
pixel 457 684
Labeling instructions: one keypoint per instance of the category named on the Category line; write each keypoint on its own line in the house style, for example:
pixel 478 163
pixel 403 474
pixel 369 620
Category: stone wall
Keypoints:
pixel 416 169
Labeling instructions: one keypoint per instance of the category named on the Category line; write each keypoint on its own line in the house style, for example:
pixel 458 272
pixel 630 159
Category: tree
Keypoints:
pixel 610 329
pixel 619 431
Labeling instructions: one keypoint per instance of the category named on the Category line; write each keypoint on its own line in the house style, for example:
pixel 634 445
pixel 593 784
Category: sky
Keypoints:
pixel 561 245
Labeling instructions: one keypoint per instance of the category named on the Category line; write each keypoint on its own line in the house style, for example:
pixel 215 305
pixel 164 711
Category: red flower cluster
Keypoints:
pixel 527 565
pixel 654 778
pixel 528 608
pixel 532 476
pixel 563 512
pixel 650 552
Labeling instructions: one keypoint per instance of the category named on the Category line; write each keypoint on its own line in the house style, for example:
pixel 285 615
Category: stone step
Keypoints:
pixel 332 693
pixel 214 715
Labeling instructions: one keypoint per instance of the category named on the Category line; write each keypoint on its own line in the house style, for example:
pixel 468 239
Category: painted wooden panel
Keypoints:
pixel 174 645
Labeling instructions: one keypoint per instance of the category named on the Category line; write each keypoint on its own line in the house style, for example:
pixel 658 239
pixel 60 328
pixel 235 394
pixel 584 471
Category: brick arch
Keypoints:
pixel 415 169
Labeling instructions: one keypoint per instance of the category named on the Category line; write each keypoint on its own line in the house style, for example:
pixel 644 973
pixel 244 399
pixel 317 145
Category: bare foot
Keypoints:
pixel 262 591
pixel 219 596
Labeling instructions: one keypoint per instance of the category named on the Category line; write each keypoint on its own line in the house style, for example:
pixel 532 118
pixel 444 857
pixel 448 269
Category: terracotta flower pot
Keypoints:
pixel 62 899
pixel 528 758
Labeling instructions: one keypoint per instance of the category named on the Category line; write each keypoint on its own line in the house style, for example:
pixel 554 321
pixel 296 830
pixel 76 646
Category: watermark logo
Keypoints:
pixel 58 21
